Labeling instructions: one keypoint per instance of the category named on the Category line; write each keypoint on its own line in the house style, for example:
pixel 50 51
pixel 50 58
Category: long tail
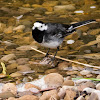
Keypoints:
pixel 72 27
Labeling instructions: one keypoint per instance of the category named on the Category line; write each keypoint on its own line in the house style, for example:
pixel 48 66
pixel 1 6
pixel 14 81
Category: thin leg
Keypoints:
pixel 47 52
pixel 52 60
pixel 55 53
pixel 46 59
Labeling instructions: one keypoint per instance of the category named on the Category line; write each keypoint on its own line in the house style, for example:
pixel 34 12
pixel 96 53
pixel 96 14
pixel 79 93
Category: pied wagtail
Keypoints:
pixel 51 35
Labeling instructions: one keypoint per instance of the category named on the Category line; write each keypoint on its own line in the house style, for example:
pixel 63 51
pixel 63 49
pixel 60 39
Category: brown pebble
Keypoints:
pixel 50 94
pixel 9 87
pixel 54 80
pixel 29 85
pixel 68 83
pixel 28 97
pixel 6 95
pixel 70 95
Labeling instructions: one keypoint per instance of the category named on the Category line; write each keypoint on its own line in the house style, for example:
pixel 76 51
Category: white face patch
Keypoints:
pixel 40 26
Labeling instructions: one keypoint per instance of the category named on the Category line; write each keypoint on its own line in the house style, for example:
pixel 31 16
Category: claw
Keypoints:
pixel 46 60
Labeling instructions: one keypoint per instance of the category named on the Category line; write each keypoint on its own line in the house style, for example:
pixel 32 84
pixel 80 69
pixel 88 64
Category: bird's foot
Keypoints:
pixel 45 60
pixel 51 62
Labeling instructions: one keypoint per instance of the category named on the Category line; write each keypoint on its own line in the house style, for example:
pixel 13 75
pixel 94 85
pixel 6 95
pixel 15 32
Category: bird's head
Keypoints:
pixel 40 26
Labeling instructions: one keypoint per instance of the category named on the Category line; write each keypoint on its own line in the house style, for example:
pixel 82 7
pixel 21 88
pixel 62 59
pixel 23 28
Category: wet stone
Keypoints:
pixel 28 97
pixel 16 74
pixel 8 30
pixel 50 3
pixel 49 95
pixel 8 57
pixel 68 83
pixel 12 66
pixel 24 67
pixel 54 80
pixel 19 28
pixel 26 47
pixel 22 61
pixel 6 95
pixel 85 72
pixel 2 27
pixel 63 66
pixel 9 87
pixel 98 86
pixel 70 94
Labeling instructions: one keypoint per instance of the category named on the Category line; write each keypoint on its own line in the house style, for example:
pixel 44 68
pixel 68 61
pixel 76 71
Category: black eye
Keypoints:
pixel 41 26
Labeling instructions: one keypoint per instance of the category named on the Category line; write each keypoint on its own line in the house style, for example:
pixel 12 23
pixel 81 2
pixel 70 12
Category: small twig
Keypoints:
pixel 67 59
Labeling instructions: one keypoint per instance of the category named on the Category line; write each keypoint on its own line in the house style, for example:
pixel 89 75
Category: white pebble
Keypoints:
pixel 92 7
pixel 70 41
pixel 80 11
pixel 89 90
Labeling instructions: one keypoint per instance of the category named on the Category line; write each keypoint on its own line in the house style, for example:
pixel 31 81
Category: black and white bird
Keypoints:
pixel 51 35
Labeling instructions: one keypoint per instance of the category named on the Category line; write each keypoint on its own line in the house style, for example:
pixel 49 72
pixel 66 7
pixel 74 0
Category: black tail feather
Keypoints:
pixel 76 25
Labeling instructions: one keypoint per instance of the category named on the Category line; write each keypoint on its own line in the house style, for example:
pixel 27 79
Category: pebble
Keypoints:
pixel 51 71
pixel 8 30
pixel 26 5
pixel 71 72
pixel 87 84
pixel 80 98
pixel 87 51
pixel 26 47
pixel 63 2
pixel 68 83
pixel 8 57
pixel 70 41
pixel 62 93
pixel 20 94
pixel 12 66
pixel 28 97
pixel 12 61
pixel 11 98
pixel 19 28
pixel 94 32
pixel 88 90
pixel 54 80
pixel 2 27
pixel 8 43
pixel 36 5
pixel 62 8
pixel 50 3
pixel 37 15
pixel 92 7
pixel 16 74
pixel 98 86
pixel 6 95
pixel 85 72
pixel 29 85
pixel 70 94
pixel 98 77
pixel 79 12
pixel 2 75
pixel 95 95
pixel 50 95
pixel 22 61
pixel 9 87
pixel 39 10
pixel 24 67
pixel 63 65
pixel 48 13
pixel 79 81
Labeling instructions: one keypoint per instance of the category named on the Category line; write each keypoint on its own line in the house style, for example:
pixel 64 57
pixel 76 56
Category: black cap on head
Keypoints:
pixel 40 22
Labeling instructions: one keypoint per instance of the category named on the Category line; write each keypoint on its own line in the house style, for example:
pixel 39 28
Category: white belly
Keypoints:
pixel 51 44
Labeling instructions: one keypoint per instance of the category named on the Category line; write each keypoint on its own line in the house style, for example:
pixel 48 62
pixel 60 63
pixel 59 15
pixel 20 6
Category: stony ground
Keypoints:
pixel 17 81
